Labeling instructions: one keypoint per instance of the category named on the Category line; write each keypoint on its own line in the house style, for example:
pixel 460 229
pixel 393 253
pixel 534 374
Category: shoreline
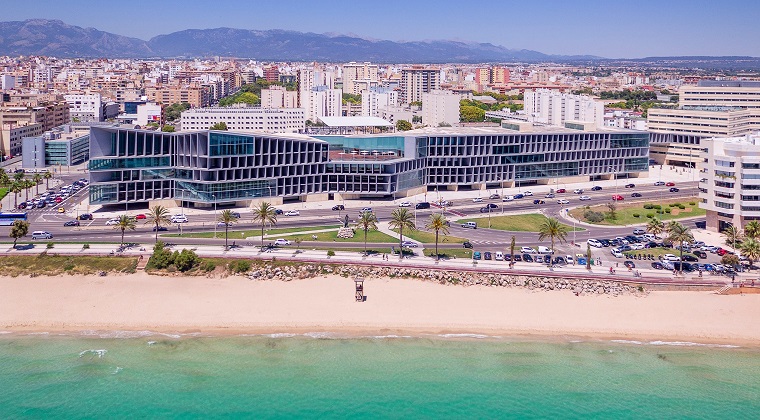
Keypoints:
pixel 143 305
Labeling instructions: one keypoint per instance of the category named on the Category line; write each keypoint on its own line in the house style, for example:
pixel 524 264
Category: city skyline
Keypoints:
pixel 655 29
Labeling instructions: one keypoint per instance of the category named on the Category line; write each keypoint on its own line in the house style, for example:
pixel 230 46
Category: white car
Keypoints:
pixel 527 250
pixel 498 256
pixel 477 200
pixel 292 213
pixel 280 242
pixel 639 231
pixel 584 198
pixel 595 243
pixel 405 204
pixel 569 259
pixel 112 222
pixel 670 257
pixel 563 201
pixel 528 194
pixel 366 210
pixel 578 191
pixel 616 253
pixel 179 218
pixel 637 247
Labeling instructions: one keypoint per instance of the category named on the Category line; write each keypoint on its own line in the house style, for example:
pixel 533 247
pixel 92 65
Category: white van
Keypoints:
pixel 470 225
pixel 508 198
pixel 545 250
pixel 41 234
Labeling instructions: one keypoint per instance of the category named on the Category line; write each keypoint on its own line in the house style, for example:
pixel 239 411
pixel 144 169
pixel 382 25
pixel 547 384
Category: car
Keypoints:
pixel 366 210
pixel 639 231
pixel 561 191
pixel 528 193
pixel 578 191
pixel 492 206
pixel 409 244
pixel 519 196
pixel 674 189
pixel 292 213
pixel 235 214
pixel 584 198
pixel 338 207
pixel 539 202
pixel 596 188
pixel 498 256
pixel 559 261
pixel 630 185
pixel 595 243
pixel 21 206
pixel 494 197
pixel 545 250
pixel 470 225
pixel 657 265
pixel 140 216
pixel 42 234
pixel 422 205
pixel 58 200
pixel 61 210
pixel 72 223
pixel 670 257
pixel 508 198
pixel 476 255
pixel 563 201
pixel 721 252
pixel 636 195
pixel 404 204
pixel 477 200
pixel 569 259
pixel 605 242
pixel 223 224
pixel 550 195
pixel 690 258
pixel 486 255
pixel 41 204
pixel 629 264
pixel 617 198
pixel 179 218
pixel 527 258
pixel 670 184
pixel 659 183
pixel 517 257
pixel 485 209
pixel 160 229
pixel 467 244
pixel 278 211
pixel 281 242
pixel 636 247
pixel 700 254
pixel 85 216
pixel 527 250
pixel 616 253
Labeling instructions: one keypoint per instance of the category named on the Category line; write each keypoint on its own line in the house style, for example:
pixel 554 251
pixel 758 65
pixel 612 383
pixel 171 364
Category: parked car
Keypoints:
pixel 674 189
pixel 498 256
pixel 700 254
pixel 595 243
pixel 539 202
pixel 629 264
pixel 292 213
pixel 486 255
pixel 72 223
pixel 657 265
pixel 630 185
pixel 281 242
pixel 670 184
pixel 409 244
pixel 596 188
pixel 527 250
pixel 21 206
pixel 476 255
pixel 690 258
pixel 338 207
pixel 617 197
pixel 616 253
pixel 517 257
pixel 527 258
pixel 467 244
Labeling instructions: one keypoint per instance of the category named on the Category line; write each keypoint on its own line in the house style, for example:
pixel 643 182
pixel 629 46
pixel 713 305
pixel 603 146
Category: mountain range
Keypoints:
pixel 56 38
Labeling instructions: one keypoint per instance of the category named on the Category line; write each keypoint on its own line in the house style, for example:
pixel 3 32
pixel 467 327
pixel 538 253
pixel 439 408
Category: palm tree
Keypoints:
pixel 228 218
pixel 401 219
pixel 16 190
pixel 655 226
pixel 18 176
pixel 367 221
pixel 264 213
pixel 438 223
pixel 512 250
pixel 733 235
pixel 750 248
pixel 680 234
pixel 552 228
pixel 158 216
pixel 125 222
pixel 27 183
pixel 47 177
pixel 37 178
pixel 752 229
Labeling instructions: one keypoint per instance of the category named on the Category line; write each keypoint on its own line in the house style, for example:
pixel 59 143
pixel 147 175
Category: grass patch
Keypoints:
pixel 373 236
pixel 370 250
pixel 44 264
pixel 429 237
pixel 3 193
pixel 236 234
pixel 513 223
pixel 658 251
pixel 626 211
pixel 450 253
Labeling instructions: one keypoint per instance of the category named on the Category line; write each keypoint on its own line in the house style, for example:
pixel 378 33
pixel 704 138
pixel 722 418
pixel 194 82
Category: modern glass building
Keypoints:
pixel 203 167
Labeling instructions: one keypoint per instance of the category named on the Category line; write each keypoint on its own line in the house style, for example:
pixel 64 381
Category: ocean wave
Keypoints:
pixel 626 341
pixel 117 370
pixel 128 334
pixel 279 335
pixel 466 335
pixel 100 353
pixel 6 332
pixel 389 336
pixel 320 335
pixel 675 344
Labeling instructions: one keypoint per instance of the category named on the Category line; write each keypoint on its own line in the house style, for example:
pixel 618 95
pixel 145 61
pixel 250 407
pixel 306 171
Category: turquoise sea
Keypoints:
pixel 318 376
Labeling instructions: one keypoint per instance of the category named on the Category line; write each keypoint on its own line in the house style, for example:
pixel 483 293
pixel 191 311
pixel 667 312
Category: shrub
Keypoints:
pixel 682 207
pixel 330 253
pixel 648 206
pixel 657 207
pixel 593 216
pixel 68 266
pixel 667 210
pixel 239 266
pixel 692 203
pixel 161 258
pixel 86 246
pixel 50 245
pixel 636 215
pixel 186 260
pixel 208 266
pixel 650 215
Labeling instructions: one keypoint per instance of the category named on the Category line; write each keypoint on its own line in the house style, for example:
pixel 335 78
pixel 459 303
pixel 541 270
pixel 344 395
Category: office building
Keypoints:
pixel 551 107
pixel 205 167
pixel 148 113
pixel 743 94
pixel 418 80
pixel 11 137
pixel 245 119
pixel 62 146
pixel 353 72
pixel 730 186
pixel 440 107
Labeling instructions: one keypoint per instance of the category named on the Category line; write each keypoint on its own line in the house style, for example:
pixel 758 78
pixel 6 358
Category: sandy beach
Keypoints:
pixel 236 305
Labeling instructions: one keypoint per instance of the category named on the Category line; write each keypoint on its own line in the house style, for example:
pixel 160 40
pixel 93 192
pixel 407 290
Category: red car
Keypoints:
pixel 721 252
pixel 561 190
pixel 58 199
pixel 617 198
pixel 140 216
pixel 670 184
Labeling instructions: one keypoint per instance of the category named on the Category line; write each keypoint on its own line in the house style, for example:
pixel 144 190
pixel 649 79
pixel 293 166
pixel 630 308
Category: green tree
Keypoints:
pixel 158 216
pixel 47 177
pixel 401 219
pixel 354 99
pixel 264 213
pixel 18 176
pixel 161 257
pixel 367 221
pixel 241 97
pixel 37 178
pixel 438 223
pixel 4 178
pixel 552 228
pixel 655 226
pixel 186 260
pixel 678 233
pixel 168 129
pixel 730 260
pixel 19 229
pixel 221 126
pixel 228 218
pixel 752 229
pixel 28 184
pixel 403 125
pixel 174 111
pixel 469 113
pixel 750 248
pixel 612 210
pixel 125 223
pixel 733 235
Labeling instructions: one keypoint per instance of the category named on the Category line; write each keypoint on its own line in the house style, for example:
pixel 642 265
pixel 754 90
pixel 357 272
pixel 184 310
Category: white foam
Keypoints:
pixel 150 343
pixel 279 335
pixel 390 336
pixel 626 341
pixel 6 332
pixel 319 335
pixel 465 335
pixel 100 353
pixel 117 370
pixel 675 344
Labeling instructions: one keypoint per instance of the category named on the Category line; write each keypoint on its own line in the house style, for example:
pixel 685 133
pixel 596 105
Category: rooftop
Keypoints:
pixel 355 122
pixel 537 129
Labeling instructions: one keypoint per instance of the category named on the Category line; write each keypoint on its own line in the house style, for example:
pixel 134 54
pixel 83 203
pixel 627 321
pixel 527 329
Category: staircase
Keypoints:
pixel 724 290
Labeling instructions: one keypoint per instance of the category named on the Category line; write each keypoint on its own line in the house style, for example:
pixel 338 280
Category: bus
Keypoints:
pixel 7 219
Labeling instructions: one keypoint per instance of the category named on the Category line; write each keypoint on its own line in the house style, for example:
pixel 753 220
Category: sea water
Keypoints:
pixel 325 376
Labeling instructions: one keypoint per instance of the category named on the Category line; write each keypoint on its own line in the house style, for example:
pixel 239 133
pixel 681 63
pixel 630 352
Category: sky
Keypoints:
pixel 612 29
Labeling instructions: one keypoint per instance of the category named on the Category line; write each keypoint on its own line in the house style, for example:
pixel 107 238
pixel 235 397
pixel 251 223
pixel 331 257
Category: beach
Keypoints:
pixel 237 305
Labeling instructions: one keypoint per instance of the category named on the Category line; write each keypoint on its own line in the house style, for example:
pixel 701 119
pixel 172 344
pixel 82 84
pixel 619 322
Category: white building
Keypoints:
pixel 440 107
pixel 551 107
pixel 85 108
pixel 7 82
pixel 246 119
pixel 418 80
pixel 148 113
pixel 730 186
pixel 353 72
pixel 278 97
pixel 374 100
pixel 325 103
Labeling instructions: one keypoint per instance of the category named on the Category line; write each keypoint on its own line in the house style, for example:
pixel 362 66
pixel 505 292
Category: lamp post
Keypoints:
pixel 213 197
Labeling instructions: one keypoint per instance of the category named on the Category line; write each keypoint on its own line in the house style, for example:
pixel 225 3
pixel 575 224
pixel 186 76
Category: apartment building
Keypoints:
pixel 11 137
pixel 373 100
pixel 730 186
pixel 418 80
pixel 552 107
pixel 278 97
pixel 48 114
pixel 196 95
pixel 85 107
pixel 743 94
pixel 440 107
pixel 364 72
pixel 246 119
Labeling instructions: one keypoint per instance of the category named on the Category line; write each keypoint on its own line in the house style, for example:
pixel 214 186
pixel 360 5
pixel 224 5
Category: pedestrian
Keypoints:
pixel 617 265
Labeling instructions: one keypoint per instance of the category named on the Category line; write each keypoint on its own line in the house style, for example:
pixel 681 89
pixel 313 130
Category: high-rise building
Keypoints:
pixel 278 97
pixel 554 108
pixel 373 100
pixel 418 80
pixel 272 73
pixel 245 119
pixel 358 71
pixel 440 107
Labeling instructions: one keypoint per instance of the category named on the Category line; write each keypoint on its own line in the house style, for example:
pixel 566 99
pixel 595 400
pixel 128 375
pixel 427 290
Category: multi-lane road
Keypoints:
pixel 96 230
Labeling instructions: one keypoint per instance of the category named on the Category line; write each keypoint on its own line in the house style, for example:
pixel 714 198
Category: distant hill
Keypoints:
pixel 55 38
